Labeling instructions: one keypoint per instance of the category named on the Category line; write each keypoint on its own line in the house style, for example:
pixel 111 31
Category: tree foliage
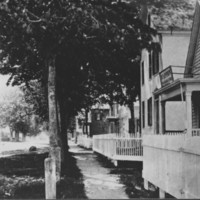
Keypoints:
pixel 95 46
pixel 17 114
pixel 36 96
pixel 96 43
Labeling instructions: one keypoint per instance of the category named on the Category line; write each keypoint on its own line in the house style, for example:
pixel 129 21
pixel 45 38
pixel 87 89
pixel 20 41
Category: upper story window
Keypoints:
pixel 149 19
pixel 97 116
pixel 112 110
pixel 143 73
pixel 150 111
pixel 150 65
pixel 155 62
pixel 143 114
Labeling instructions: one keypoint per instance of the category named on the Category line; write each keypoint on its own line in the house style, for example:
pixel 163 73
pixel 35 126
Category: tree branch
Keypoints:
pixel 38 19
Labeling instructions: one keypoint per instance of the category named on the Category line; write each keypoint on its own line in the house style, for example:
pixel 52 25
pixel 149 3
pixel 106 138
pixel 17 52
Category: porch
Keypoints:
pixel 118 148
pixel 172 163
pixel 171 159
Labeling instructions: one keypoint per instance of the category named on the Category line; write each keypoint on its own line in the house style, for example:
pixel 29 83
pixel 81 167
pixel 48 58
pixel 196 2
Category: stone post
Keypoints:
pixel 160 116
pixel 55 153
pixel 50 178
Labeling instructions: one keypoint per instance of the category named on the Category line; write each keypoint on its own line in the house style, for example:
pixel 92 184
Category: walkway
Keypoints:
pixel 99 183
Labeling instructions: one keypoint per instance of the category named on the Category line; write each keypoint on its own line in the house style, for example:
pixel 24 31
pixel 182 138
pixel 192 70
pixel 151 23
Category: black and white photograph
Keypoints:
pixel 99 99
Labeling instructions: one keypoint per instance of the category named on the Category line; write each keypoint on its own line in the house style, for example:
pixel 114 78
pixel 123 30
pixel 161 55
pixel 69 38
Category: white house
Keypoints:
pixel 170 114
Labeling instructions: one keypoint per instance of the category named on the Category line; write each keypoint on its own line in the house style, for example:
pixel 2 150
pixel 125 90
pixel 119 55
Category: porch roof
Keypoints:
pixel 178 88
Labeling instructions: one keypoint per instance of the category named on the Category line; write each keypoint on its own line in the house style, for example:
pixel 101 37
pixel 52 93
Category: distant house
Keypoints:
pixel 99 124
pixel 118 143
pixel 170 96
pixel 110 133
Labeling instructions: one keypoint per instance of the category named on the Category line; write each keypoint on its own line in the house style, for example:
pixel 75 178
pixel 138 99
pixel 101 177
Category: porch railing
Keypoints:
pixel 118 148
pixel 129 147
pixel 173 132
pixel 195 132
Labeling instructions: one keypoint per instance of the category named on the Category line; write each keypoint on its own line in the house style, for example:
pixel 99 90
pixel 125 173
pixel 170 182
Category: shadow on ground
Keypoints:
pixel 22 177
pixel 130 174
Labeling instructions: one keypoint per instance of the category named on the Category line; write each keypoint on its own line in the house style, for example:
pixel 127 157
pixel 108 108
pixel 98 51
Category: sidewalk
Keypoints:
pixel 99 183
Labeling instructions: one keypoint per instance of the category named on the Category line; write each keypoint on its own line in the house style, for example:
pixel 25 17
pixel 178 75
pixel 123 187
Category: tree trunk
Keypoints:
pixel 53 126
pixel 63 128
pixel 131 107
pixel 55 150
pixel 140 116
pixel 11 134
pixel 86 121
pixel 16 136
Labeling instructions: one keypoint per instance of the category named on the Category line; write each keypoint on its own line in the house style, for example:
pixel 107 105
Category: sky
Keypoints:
pixel 4 89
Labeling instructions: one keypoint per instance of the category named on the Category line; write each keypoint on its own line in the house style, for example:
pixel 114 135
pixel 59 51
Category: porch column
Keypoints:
pixel 188 115
pixel 163 117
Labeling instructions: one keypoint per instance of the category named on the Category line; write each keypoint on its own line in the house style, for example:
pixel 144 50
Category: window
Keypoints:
pixel 112 127
pixel 143 73
pixel 112 110
pixel 150 65
pixel 98 116
pixel 143 114
pixel 150 112
pixel 149 20
pixel 157 116
pixel 155 62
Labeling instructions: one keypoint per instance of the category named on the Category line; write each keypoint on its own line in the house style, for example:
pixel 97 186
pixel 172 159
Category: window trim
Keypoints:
pixel 155 62
pixel 150 111
pixel 142 72
pixel 150 65
pixel 143 114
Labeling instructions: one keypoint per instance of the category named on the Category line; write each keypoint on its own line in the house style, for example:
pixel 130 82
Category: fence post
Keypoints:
pixel 55 153
pixel 50 178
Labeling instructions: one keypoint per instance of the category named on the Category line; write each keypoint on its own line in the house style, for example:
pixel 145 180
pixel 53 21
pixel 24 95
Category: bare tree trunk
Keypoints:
pixel 86 121
pixel 53 128
pixel 131 107
pixel 55 151
pixel 63 132
pixel 17 136
pixel 11 134
pixel 140 117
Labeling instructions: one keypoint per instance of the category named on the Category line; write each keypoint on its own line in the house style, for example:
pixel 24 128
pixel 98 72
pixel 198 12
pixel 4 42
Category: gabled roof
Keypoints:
pixel 193 38
pixel 168 14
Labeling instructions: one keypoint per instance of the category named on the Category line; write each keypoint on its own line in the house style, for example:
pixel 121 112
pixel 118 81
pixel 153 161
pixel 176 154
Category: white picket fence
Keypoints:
pixel 118 148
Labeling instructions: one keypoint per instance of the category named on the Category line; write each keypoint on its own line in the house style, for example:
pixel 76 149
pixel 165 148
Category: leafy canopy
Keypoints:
pixel 96 45
pixel 16 114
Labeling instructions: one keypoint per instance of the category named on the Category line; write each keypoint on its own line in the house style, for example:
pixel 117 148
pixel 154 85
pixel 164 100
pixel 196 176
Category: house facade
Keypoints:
pixel 170 113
